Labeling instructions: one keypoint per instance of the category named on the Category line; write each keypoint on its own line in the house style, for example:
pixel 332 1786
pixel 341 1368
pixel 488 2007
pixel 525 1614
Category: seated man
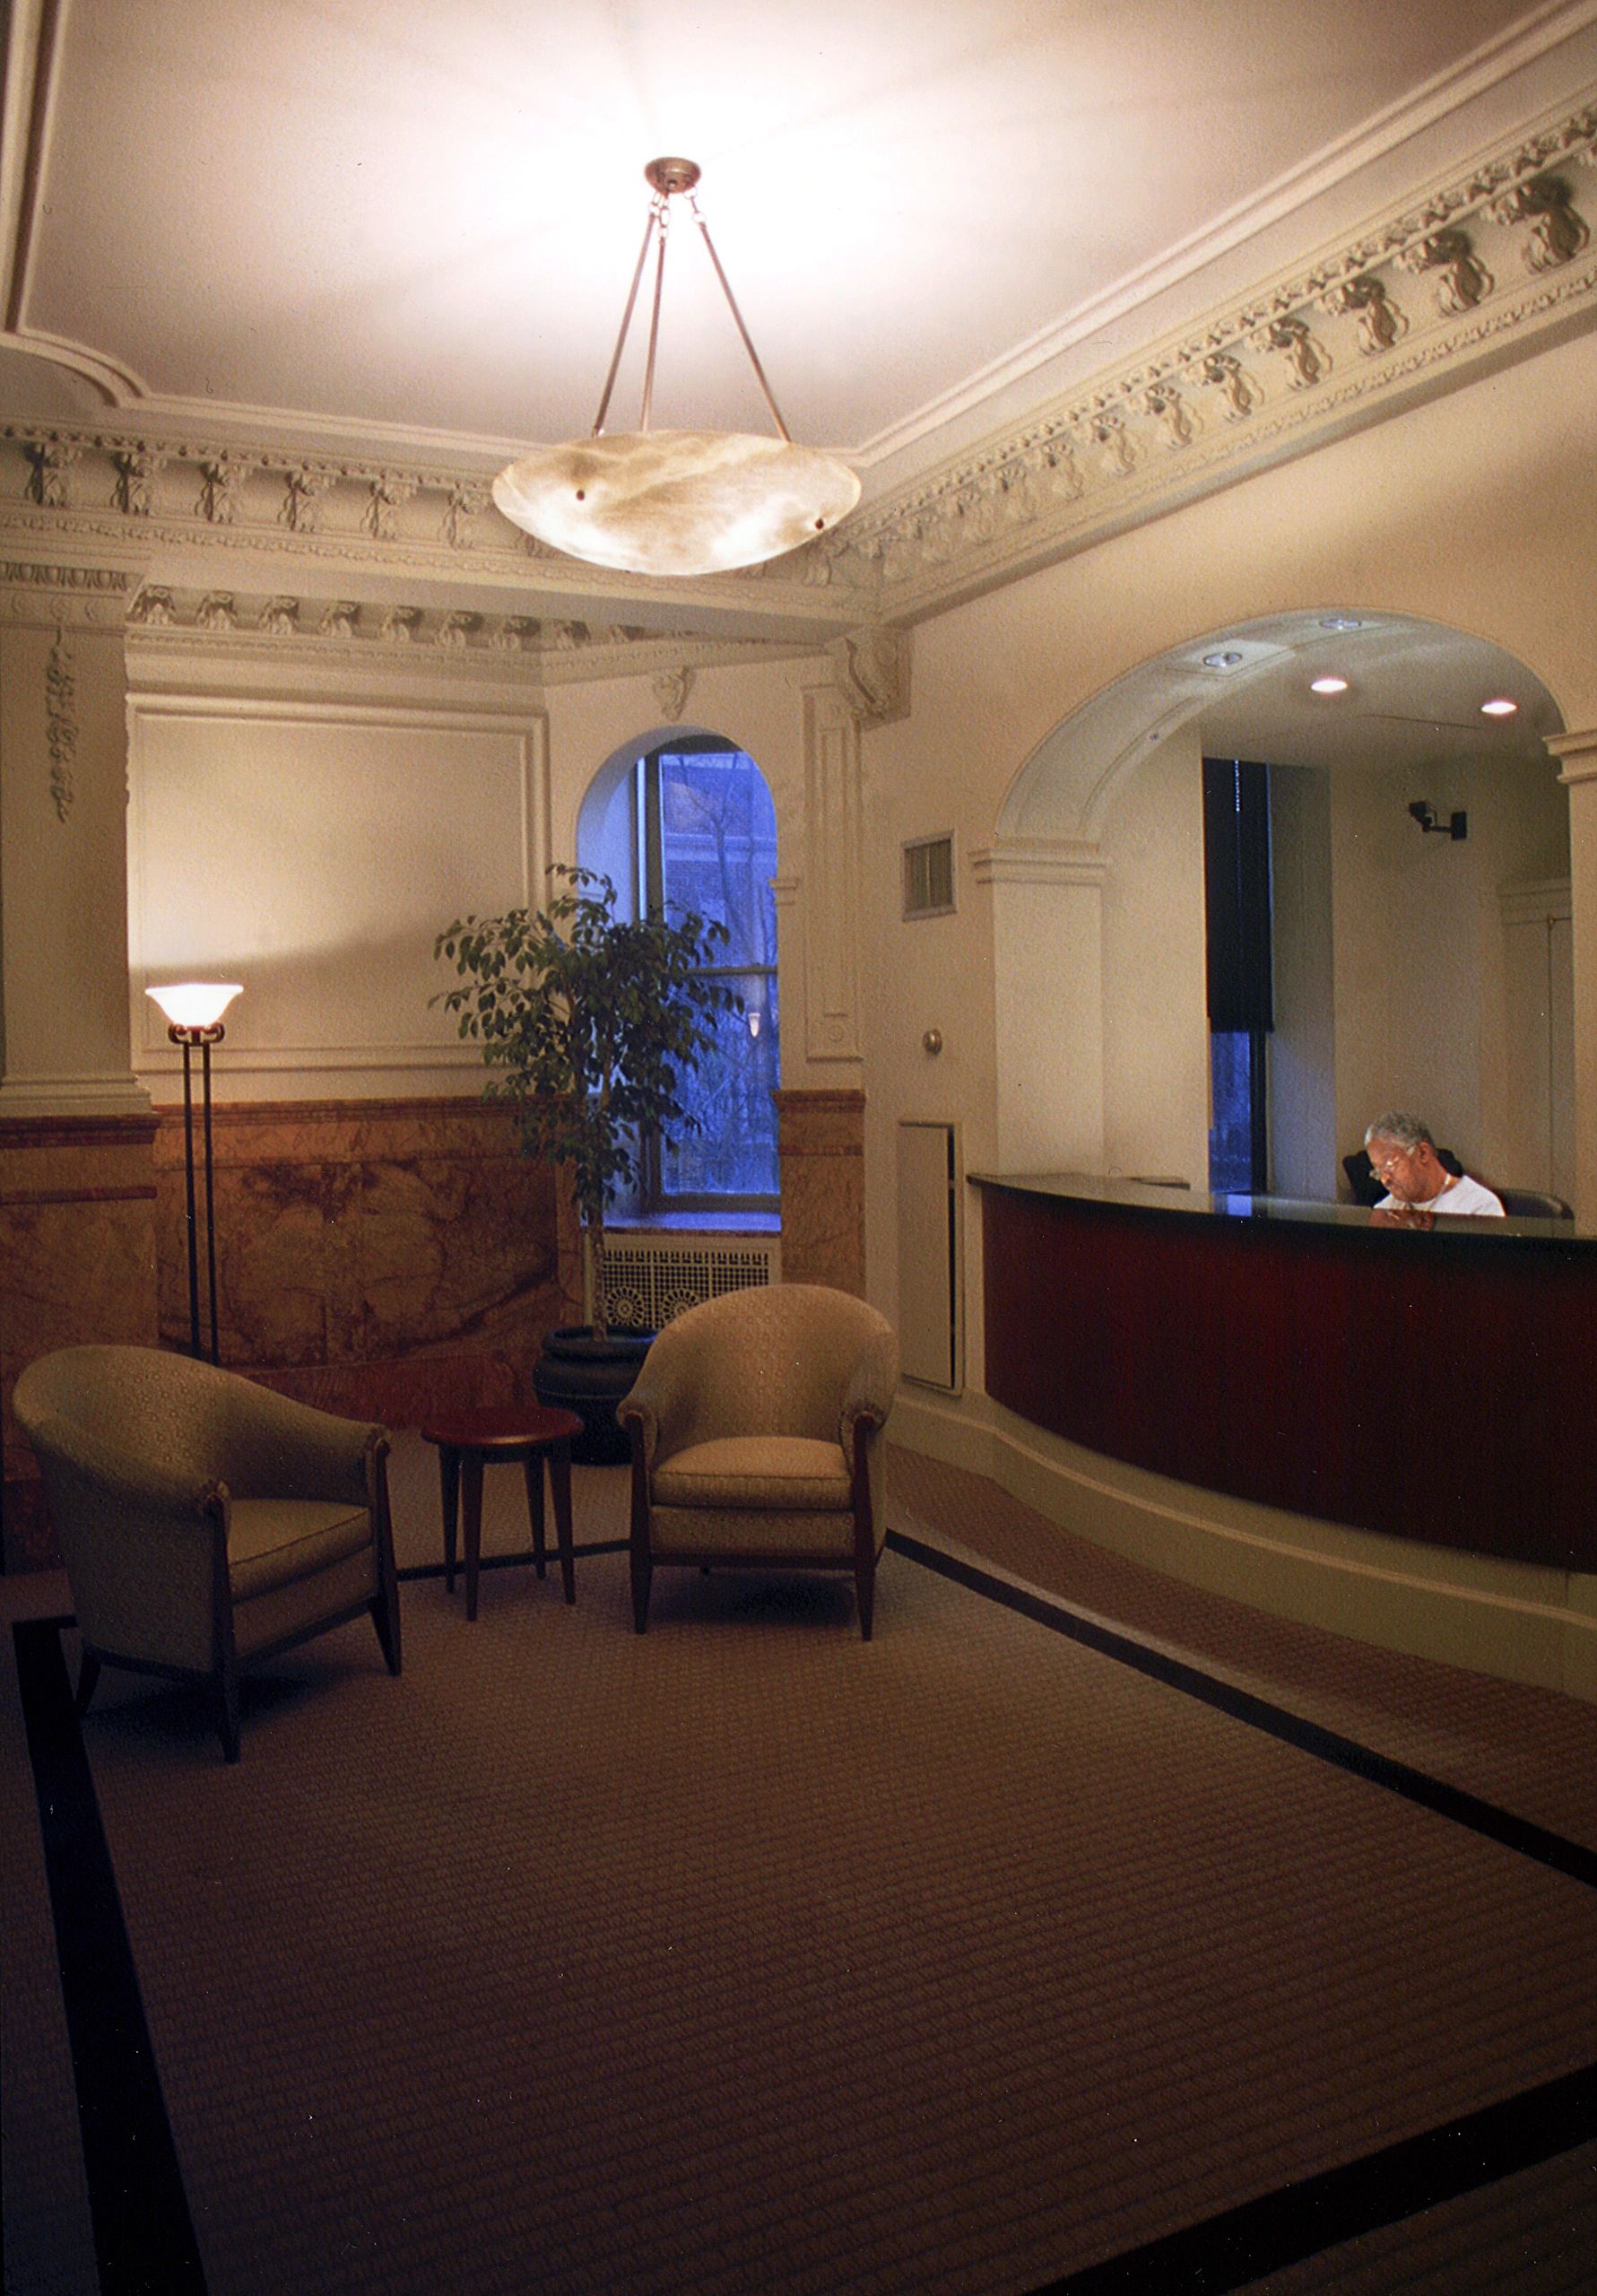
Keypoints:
pixel 1403 1157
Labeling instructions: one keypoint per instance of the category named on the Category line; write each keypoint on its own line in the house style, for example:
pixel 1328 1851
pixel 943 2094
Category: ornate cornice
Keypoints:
pixel 1485 265
pixel 251 632
pixel 1486 261
pixel 142 497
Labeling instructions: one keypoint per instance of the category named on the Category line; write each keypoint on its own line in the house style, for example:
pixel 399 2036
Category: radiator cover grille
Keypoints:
pixel 648 1281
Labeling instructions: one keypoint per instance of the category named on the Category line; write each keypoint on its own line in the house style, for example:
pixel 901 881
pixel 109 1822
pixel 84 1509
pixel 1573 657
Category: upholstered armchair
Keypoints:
pixel 756 1430
pixel 205 1521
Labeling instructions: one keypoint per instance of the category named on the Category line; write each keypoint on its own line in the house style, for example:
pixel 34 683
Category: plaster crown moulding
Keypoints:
pixel 1481 264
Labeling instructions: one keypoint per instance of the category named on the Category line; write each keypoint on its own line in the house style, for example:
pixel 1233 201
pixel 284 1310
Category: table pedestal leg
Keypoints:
pixel 449 1476
pixel 532 1468
pixel 559 1477
pixel 472 1493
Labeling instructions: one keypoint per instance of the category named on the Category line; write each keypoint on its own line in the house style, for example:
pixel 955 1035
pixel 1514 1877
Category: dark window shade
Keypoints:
pixel 1236 886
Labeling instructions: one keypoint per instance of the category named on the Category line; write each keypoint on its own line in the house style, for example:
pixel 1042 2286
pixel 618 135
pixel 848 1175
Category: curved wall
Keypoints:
pixel 1480 513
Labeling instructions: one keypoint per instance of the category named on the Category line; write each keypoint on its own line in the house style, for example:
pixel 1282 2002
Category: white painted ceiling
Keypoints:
pixel 390 216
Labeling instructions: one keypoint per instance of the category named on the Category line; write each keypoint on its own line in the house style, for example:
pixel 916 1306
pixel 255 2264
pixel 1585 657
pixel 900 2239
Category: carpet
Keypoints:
pixel 746 1956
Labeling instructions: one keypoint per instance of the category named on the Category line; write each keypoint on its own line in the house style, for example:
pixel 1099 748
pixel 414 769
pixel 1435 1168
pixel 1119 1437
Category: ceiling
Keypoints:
pixel 411 227
pixel 402 219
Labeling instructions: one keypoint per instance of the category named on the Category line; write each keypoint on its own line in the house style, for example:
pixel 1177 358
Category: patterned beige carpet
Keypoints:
pixel 746 1956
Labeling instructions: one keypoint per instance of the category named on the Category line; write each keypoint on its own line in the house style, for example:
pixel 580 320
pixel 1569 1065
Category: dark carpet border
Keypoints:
pixel 1572 1858
pixel 1241 2245
pixel 143 2233
pixel 415 1570
pixel 145 2241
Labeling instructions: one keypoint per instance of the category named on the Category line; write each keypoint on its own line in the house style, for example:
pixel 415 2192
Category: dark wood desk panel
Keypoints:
pixel 1441 1387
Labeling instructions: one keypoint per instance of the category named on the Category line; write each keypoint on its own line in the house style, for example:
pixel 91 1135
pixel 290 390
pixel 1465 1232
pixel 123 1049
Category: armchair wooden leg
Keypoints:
pixel 87 1677
pixel 384 1608
pixel 227 1712
pixel 385 1617
pixel 643 1560
pixel 864 1588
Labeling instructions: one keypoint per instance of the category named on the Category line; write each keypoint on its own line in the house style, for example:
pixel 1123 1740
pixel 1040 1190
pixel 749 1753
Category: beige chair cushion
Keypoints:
pixel 752 1535
pixel 775 1473
pixel 273 1541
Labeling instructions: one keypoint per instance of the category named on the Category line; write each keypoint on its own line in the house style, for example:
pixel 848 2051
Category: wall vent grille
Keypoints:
pixel 929 877
pixel 648 1280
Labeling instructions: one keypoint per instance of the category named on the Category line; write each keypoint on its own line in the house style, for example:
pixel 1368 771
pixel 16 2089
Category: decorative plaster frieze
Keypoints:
pixel 136 468
pixel 872 668
pixel 672 688
pixel 230 629
pixel 831 869
pixel 223 492
pixel 1461 278
pixel 50 458
pixel 61 724
pixel 1556 234
pixel 389 490
pixel 1481 265
pixel 43 596
pixel 1407 305
pixel 304 488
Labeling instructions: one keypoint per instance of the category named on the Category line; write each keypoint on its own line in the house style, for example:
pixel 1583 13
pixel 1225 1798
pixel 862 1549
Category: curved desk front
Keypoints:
pixel 1438 1385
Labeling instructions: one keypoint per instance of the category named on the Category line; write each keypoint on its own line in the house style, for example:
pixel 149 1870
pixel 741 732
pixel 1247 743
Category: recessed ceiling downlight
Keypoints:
pixel 1498 707
pixel 1329 686
pixel 1228 661
pixel 1340 622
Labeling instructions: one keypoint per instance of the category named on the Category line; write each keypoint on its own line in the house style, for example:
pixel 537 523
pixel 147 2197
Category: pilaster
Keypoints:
pixel 1577 752
pixel 1048 961
pixel 64 1039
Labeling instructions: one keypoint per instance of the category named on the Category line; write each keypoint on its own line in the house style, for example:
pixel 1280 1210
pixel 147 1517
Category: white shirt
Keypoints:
pixel 1464 1196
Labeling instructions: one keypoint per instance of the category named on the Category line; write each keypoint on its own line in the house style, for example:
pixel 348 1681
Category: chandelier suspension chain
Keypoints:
pixel 656 210
pixel 737 316
pixel 659 219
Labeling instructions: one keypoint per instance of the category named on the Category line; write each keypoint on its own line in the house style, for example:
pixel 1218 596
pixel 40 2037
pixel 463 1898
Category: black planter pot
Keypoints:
pixel 577 1372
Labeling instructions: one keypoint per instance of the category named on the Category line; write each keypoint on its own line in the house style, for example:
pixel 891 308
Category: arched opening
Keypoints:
pixel 682 819
pixel 1410 969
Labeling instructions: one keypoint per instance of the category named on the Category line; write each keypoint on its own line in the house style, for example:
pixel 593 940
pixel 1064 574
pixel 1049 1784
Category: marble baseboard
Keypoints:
pixel 820 1145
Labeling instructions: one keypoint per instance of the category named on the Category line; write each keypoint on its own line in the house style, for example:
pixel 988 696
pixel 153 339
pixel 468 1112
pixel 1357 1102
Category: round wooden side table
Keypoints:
pixel 526 1434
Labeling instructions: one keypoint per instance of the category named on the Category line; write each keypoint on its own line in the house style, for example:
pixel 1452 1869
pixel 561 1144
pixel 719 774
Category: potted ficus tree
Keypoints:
pixel 592 1023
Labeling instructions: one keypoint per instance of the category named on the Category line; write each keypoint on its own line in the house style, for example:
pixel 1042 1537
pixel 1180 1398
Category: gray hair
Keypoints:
pixel 1405 1132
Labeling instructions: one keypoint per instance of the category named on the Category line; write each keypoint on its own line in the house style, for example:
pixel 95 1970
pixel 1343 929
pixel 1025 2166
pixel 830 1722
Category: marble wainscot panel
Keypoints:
pixel 820 1145
pixel 382 1258
pixel 77 1249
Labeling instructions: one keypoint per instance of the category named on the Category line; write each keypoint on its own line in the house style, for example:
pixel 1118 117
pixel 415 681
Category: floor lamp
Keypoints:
pixel 194 1011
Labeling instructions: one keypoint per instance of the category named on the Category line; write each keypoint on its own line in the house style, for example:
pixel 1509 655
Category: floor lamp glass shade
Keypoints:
pixel 196 1003
pixel 676 501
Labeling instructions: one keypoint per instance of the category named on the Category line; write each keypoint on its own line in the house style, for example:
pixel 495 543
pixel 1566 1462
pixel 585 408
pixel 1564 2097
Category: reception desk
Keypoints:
pixel 1437 1386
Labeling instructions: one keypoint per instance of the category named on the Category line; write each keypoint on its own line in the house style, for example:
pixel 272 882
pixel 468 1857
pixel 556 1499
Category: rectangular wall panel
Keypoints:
pixel 930 1339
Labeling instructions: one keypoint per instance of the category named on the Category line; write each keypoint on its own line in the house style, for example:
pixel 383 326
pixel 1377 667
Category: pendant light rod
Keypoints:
pixel 737 316
pixel 648 364
pixel 656 209
pixel 671 179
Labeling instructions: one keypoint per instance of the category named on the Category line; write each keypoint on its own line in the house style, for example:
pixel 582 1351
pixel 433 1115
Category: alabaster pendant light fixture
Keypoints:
pixel 675 501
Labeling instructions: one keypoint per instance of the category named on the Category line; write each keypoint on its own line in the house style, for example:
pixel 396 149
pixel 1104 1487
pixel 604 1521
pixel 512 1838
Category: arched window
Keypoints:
pixel 691 825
